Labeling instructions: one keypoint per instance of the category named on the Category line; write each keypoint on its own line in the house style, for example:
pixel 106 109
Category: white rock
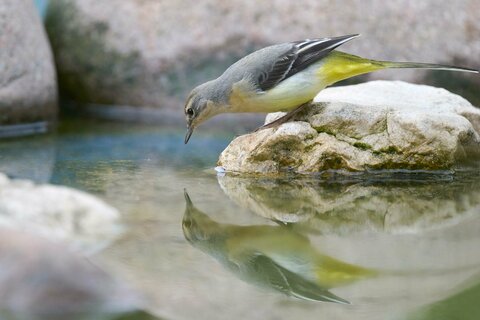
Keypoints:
pixel 375 125
pixel 58 213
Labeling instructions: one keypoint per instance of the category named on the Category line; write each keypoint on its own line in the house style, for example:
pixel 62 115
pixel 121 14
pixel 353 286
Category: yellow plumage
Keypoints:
pixel 339 66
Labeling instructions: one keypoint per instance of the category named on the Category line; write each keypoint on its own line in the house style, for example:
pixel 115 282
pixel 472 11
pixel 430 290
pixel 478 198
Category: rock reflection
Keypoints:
pixel 273 257
pixel 385 204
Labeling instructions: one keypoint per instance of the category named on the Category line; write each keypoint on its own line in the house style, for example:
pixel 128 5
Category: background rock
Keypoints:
pixel 58 213
pixel 376 125
pixel 28 92
pixel 151 53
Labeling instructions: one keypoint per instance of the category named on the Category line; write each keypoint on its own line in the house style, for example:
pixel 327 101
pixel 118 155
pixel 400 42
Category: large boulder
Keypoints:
pixel 28 90
pixel 151 53
pixel 376 125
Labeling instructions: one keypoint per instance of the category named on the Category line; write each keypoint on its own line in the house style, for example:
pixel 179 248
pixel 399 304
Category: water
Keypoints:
pixel 41 6
pixel 202 245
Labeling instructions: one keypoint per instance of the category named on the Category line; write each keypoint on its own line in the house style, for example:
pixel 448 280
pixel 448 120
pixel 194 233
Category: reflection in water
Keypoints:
pixel 274 257
pixel 423 226
pixel 394 203
pixel 29 157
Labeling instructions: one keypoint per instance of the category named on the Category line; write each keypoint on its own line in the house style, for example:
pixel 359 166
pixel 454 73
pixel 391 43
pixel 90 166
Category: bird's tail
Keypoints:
pixel 331 272
pixel 339 66
pixel 419 65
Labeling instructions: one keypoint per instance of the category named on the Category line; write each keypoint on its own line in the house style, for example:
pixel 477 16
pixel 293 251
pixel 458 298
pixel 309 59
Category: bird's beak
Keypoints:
pixel 189 133
pixel 188 201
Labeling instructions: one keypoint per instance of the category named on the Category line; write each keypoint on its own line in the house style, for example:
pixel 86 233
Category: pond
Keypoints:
pixel 198 244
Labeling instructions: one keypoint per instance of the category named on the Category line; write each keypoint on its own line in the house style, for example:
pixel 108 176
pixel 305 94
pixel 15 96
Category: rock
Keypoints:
pixel 151 53
pixel 58 213
pixel 28 90
pixel 376 125
pixel 44 280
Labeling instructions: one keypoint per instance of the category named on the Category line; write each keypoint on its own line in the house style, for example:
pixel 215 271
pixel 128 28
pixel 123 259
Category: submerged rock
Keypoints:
pixel 58 213
pixel 375 125
pixel 28 89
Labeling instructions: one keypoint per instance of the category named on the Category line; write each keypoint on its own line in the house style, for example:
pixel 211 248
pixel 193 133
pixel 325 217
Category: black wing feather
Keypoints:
pixel 279 70
pixel 283 280
pixel 302 54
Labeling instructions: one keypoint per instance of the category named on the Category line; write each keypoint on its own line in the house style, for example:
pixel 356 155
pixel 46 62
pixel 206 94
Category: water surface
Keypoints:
pixel 199 245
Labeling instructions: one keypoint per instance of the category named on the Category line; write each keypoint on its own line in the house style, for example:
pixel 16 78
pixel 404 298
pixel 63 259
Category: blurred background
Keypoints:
pixel 137 60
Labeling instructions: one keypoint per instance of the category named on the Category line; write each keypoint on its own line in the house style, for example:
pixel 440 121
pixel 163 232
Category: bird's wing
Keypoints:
pixel 266 271
pixel 300 56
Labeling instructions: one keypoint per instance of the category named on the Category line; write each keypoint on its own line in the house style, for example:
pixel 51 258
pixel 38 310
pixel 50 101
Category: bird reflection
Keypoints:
pixel 273 257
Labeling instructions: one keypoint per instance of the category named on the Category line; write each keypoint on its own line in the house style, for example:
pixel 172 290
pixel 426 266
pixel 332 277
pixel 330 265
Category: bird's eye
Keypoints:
pixel 187 223
pixel 190 112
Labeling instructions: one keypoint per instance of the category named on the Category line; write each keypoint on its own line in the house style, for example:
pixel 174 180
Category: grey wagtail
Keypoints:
pixel 283 77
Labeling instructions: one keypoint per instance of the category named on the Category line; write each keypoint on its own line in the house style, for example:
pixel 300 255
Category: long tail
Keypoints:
pixel 339 66
pixel 419 65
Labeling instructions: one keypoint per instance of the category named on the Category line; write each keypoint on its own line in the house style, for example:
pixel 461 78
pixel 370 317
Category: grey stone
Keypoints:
pixel 58 213
pixel 376 125
pixel 28 90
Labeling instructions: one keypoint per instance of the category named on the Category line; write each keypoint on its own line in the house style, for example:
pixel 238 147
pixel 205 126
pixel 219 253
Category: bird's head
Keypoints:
pixel 197 226
pixel 200 107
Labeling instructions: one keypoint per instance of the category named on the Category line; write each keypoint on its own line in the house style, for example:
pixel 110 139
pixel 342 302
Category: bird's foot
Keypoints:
pixel 283 119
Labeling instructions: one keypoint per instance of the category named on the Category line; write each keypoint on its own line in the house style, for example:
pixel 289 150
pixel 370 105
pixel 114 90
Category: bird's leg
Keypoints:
pixel 285 118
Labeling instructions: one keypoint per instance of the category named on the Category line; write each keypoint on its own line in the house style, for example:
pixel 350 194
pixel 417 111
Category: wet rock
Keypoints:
pixel 43 280
pixel 28 91
pixel 58 213
pixel 151 53
pixel 376 125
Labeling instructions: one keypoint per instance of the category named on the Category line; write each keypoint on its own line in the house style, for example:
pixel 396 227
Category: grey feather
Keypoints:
pixel 301 55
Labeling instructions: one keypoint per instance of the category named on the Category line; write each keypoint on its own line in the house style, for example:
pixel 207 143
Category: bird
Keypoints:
pixel 283 77
pixel 272 257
